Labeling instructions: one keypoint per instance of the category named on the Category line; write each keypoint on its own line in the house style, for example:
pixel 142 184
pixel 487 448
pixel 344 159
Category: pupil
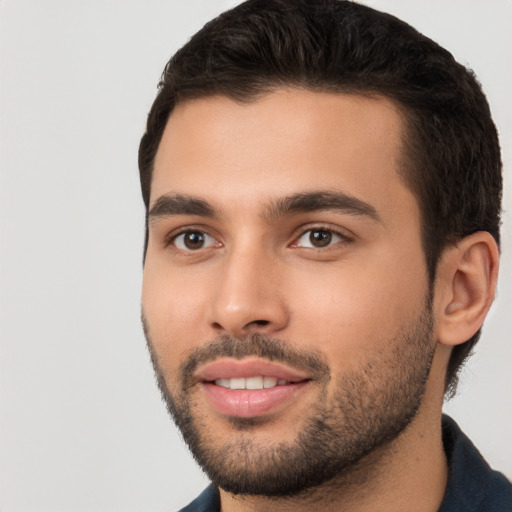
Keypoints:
pixel 320 238
pixel 194 240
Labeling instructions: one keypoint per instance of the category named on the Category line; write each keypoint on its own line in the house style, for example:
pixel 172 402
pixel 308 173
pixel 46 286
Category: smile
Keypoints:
pixel 252 383
pixel 250 388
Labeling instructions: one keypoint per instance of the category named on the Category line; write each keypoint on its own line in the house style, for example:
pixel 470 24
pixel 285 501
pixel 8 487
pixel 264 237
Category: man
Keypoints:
pixel 322 186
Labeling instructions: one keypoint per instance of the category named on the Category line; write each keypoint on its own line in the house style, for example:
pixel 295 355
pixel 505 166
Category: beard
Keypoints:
pixel 370 406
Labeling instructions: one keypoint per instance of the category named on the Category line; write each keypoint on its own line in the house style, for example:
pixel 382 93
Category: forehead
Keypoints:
pixel 287 141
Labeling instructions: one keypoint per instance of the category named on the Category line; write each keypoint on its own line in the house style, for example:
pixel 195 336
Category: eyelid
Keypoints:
pixel 208 240
pixel 175 233
pixel 344 234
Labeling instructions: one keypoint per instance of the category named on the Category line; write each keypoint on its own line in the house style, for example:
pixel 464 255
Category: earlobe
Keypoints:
pixel 465 287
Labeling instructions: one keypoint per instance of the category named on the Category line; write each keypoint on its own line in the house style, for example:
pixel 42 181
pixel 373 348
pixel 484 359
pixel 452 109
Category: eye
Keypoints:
pixel 193 241
pixel 319 238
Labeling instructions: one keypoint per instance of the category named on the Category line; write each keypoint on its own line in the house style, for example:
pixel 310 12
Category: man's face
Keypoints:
pixel 285 255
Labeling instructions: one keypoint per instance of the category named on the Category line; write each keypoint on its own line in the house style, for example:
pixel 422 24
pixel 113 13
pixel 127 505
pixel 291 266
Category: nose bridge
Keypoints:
pixel 248 296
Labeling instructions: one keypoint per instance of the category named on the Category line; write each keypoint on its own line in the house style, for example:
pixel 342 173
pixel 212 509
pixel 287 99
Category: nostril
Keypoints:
pixel 249 326
pixel 259 322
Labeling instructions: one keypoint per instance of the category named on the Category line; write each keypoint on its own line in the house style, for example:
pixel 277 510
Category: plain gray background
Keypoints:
pixel 82 425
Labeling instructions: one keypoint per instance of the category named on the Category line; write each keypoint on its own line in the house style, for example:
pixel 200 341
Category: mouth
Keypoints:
pixel 250 388
pixel 253 382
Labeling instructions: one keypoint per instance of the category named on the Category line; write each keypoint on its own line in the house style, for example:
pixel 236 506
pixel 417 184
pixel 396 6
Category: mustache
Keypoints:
pixel 255 345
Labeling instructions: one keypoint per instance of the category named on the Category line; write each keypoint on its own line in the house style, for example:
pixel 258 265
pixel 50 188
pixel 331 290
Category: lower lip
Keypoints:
pixel 244 403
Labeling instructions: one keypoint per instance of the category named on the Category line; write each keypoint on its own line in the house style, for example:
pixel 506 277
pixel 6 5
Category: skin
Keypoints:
pixel 259 274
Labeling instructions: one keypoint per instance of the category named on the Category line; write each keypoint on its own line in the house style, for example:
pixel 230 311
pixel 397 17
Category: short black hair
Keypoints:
pixel 451 155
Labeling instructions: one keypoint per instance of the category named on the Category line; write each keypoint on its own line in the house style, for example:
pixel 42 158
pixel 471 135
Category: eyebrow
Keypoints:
pixel 171 205
pixel 321 201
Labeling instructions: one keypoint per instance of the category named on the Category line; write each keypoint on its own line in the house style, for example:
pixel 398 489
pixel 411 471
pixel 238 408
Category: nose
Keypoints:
pixel 249 296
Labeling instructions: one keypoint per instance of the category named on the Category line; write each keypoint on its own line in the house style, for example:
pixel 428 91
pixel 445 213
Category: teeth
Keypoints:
pixel 223 383
pixel 254 383
pixel 269 382
pixel 251 383
pixel 237 383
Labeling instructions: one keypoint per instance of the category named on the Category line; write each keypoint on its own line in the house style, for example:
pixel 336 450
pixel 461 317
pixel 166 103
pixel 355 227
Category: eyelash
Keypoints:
pixel 171 239
pixel 342 236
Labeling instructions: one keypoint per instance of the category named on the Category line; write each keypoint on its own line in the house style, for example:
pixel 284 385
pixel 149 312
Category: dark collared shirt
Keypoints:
pixel 472 485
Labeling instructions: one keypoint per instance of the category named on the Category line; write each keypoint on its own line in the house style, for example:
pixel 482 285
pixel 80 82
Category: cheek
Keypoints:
pixel 355 307
pixel 173 310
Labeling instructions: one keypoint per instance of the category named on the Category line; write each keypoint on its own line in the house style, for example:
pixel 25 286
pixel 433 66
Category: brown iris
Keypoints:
pixel 193 240
pixel 320 238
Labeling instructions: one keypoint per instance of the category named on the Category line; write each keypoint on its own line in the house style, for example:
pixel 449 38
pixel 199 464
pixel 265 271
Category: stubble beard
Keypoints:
pixel 371 407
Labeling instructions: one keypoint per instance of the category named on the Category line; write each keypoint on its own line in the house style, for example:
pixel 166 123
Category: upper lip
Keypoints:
pixel 234 368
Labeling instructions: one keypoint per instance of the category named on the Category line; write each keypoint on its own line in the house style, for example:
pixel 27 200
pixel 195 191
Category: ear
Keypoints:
pixel 465 287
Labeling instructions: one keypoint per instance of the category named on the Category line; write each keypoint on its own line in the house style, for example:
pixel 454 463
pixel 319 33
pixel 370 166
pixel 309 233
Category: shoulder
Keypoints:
pixel 472 485
pixel 207 501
